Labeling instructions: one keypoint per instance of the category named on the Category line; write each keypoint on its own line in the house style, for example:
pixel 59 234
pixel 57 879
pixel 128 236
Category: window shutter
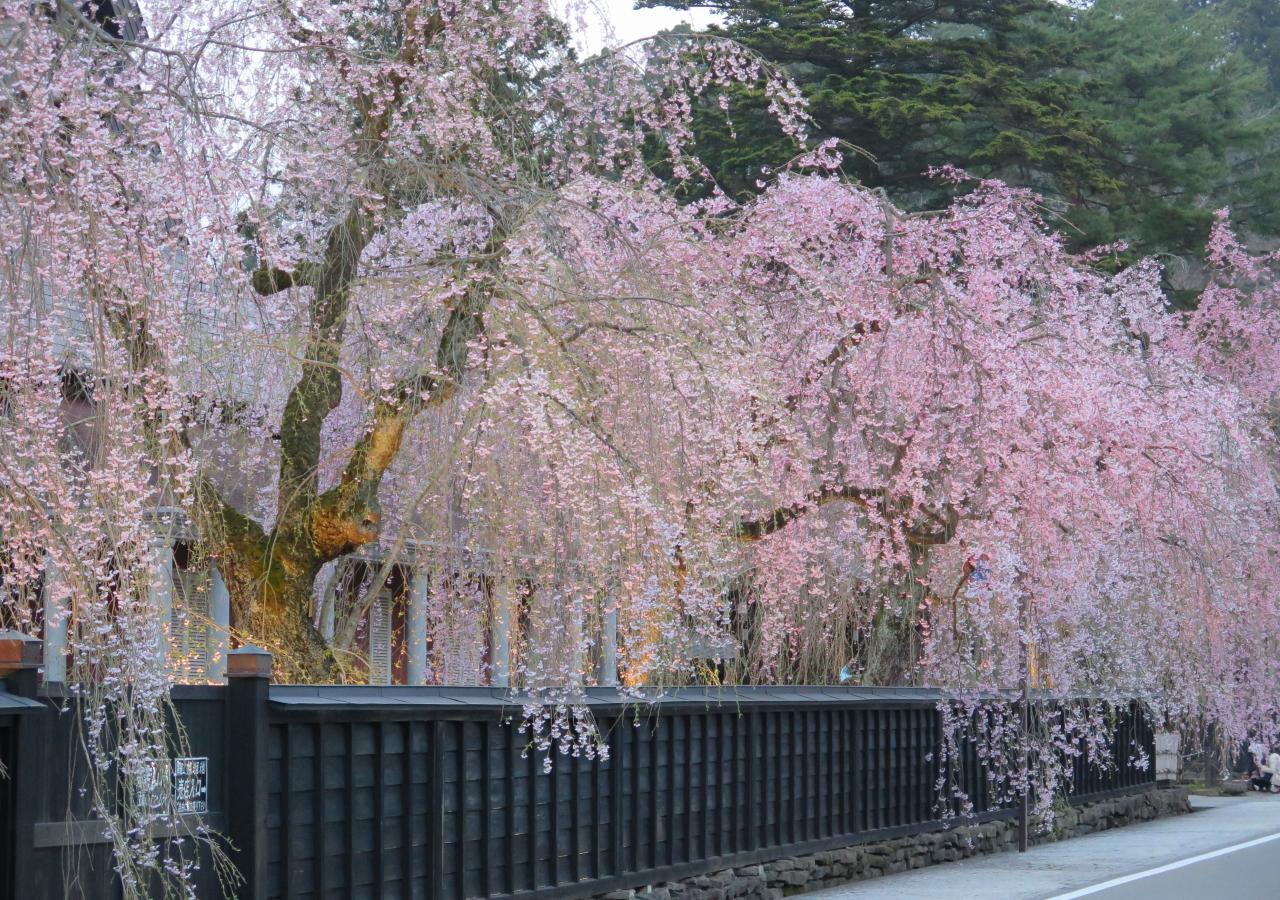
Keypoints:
pixel 380 639
pixel 190 621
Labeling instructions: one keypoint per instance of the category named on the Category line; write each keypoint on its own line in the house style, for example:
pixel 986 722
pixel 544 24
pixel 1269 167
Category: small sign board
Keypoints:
pixel 191 784
pixel 1168 755
pixel 186 778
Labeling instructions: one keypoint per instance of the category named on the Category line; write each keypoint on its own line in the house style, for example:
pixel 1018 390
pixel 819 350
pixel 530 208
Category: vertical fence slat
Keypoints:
pixel 795 767
pixel 771 765
pixel 653 794
pixel 532 765
pixel 460 839
pixel 318 789
pixel 779 794
pixel 893 741
pixel 707 787
pixel 637 833
pixel 815 802
pixel 750 824
pixel 597 809
pixel 349 801
pixel 808 755
pixel 688 771
pixel 825 794
pixel 435 813
pixel 839 752
pixel 486 785
pixel 513 761
pixel 553 816
pixel 671 789
pixel 935 769
pixel 408 851
pixel 849 740
pixel 863 760
pixel 575 818
pixel 287 882
pixel 617 758
pixel 919 761
pixel 379 807
pixel 736 804
pixel 795 772
pixel 877 787
pixel 839 765
pixel 866 762
pixel 900 736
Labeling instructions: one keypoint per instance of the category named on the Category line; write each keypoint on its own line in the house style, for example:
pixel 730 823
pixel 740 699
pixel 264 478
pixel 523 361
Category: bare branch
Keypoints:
pixel 604 326
pixel 755 529
pixel 919 536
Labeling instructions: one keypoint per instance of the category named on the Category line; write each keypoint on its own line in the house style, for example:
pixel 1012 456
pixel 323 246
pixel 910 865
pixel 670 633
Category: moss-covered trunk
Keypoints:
pixel 284 627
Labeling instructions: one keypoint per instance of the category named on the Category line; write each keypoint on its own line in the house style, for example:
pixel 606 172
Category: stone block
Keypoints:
pixel 850 855
pixel 715 879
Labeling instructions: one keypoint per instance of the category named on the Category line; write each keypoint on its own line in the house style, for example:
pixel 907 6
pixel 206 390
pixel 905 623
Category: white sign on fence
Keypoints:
pixel 1168 755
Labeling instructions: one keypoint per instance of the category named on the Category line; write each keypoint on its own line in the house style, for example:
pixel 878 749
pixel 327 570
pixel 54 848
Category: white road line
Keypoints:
pixel 1116 882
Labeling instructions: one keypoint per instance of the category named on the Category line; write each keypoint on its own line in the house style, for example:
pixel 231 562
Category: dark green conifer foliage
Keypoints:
pixel 1189 126
pixel 1134 118
pixel 915 83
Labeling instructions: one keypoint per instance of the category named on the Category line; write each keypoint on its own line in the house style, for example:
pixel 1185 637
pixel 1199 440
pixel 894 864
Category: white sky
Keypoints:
pixel 629 24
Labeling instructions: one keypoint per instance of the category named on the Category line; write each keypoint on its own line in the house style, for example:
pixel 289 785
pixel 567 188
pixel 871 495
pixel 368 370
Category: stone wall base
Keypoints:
pixel 798 874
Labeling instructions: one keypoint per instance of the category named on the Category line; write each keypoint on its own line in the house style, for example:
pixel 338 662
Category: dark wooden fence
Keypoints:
pixel 341 792
pixel 57 850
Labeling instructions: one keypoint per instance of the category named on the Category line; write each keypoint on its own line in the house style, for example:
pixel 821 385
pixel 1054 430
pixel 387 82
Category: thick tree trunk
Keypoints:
pixel 270 592
pixel 284 627
pixel 271 606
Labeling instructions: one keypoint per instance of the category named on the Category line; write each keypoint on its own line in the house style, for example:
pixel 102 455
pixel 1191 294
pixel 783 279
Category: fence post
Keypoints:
pixel 21 657
pixel 1024 815
pixel 248 682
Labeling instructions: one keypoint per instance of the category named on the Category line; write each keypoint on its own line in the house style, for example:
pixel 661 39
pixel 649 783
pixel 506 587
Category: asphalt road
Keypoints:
pixel 1248 871
pixel 1228 849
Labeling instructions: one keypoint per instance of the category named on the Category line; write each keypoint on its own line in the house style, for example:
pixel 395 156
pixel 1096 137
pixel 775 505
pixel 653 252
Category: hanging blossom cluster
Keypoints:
pixel 1234 332
pixel 934 449
pixel 988 753
pixel 103 300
